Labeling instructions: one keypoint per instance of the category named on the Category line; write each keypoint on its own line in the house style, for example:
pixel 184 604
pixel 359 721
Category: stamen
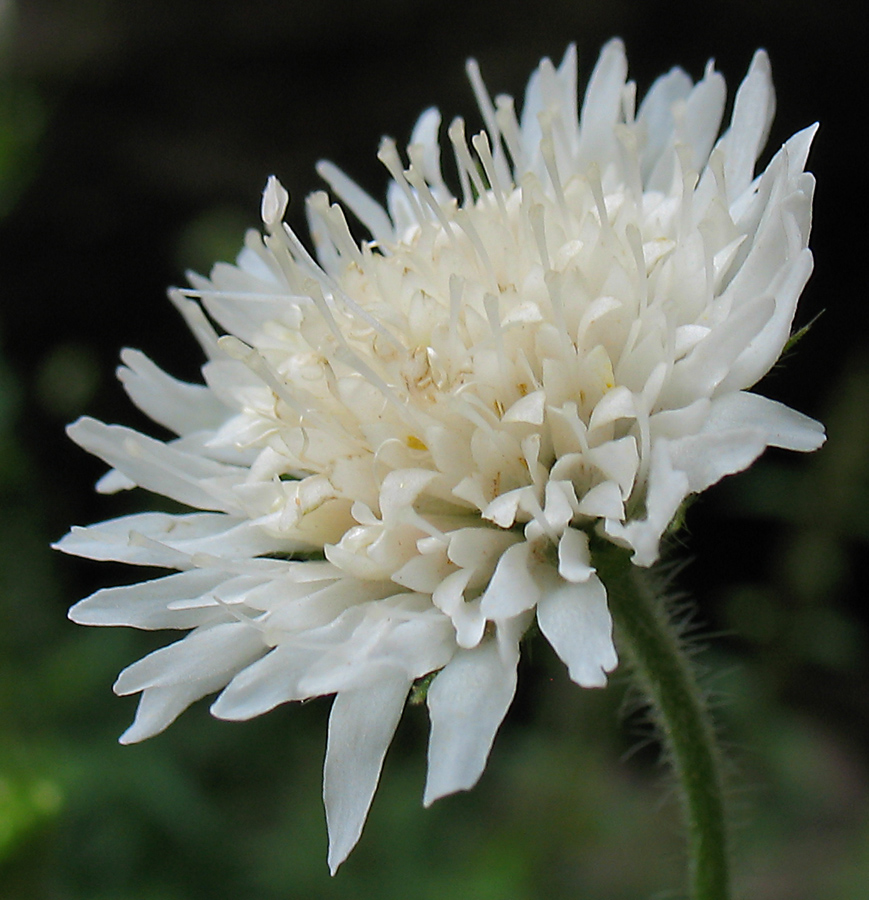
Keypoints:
pixel 277 244
pixel 628 349
pixel 465 162
pixel 466 223
pixel 490 302
pixel 490 118
pixel 321 234
pixel 369 212
pixel 457 287
pixel 274 203
pixel 706 229
pixel 388 155
pixel 237 349
pixel 415 177
pixel 465 400
pixel 201 293
pixel 635 242
pixel 688 185
pixel 481 145
pixel 238 615
pixel 592 178
pixel 553 285
pixel 577 426
pixel 323 278
pixel 346 355
pixel 333 217
pixel 530 382
pixel 531 454
pixel 547 149
pixel 537 218
pixel 538 514
pixel 425 137
pixel 256 362
pixel 627 142
pixel 509 125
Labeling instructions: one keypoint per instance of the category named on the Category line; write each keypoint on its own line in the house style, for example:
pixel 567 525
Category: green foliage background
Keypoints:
pixel 134 139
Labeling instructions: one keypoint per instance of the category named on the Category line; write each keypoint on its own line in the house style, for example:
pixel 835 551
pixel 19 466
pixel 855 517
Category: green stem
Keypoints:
pixel 647 637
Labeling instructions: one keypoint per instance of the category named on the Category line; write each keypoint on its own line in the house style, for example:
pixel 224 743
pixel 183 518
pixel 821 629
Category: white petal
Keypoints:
pixel 365 642
pixel 687 337
pixel 369 212
pixel 762 352
pixel 265 684
pixel 560 504
pixel 425 134
pixel 479 548
pixel 470 624
pixel 575 620
pixel 400 489
pixel 753 110
pixel 739 429
pixel 618 460
pixel 503 509
pixel 527 409
pixel 157 467
pixel 467 702
pixel 601 107
pixel 113 481
pixel 676 423
pixel 574 559
pixel 797 148
pixel 159 707
pixel 466 616
pixel 180 407
pixel 241 304
pixel 603 500
pixel 702 117
pixel 361 727
pixel 203 654
pixel 400 210
pixel 425 572
pixel 707 458
pixel 512 588
pixel 615 404
pixel 198 324
pixel 146 605
pixel 175 676
pixel 708 364
pixel 668 487
pixel 781 425
pixel 162 539
pixel 656 114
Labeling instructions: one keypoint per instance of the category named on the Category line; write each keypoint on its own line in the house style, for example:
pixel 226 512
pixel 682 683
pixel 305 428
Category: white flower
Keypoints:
pixel 402 447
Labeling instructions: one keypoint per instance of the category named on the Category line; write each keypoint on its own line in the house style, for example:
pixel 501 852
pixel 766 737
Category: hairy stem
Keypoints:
pixel 664 674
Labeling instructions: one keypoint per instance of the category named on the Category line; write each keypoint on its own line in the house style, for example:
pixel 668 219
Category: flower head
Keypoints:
pixel 403 444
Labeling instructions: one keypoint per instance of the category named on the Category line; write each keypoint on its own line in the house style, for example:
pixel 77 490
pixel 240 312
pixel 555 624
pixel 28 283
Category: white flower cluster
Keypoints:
pixel 403 445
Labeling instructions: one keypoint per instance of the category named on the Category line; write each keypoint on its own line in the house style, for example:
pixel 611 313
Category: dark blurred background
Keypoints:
pixel 135 138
